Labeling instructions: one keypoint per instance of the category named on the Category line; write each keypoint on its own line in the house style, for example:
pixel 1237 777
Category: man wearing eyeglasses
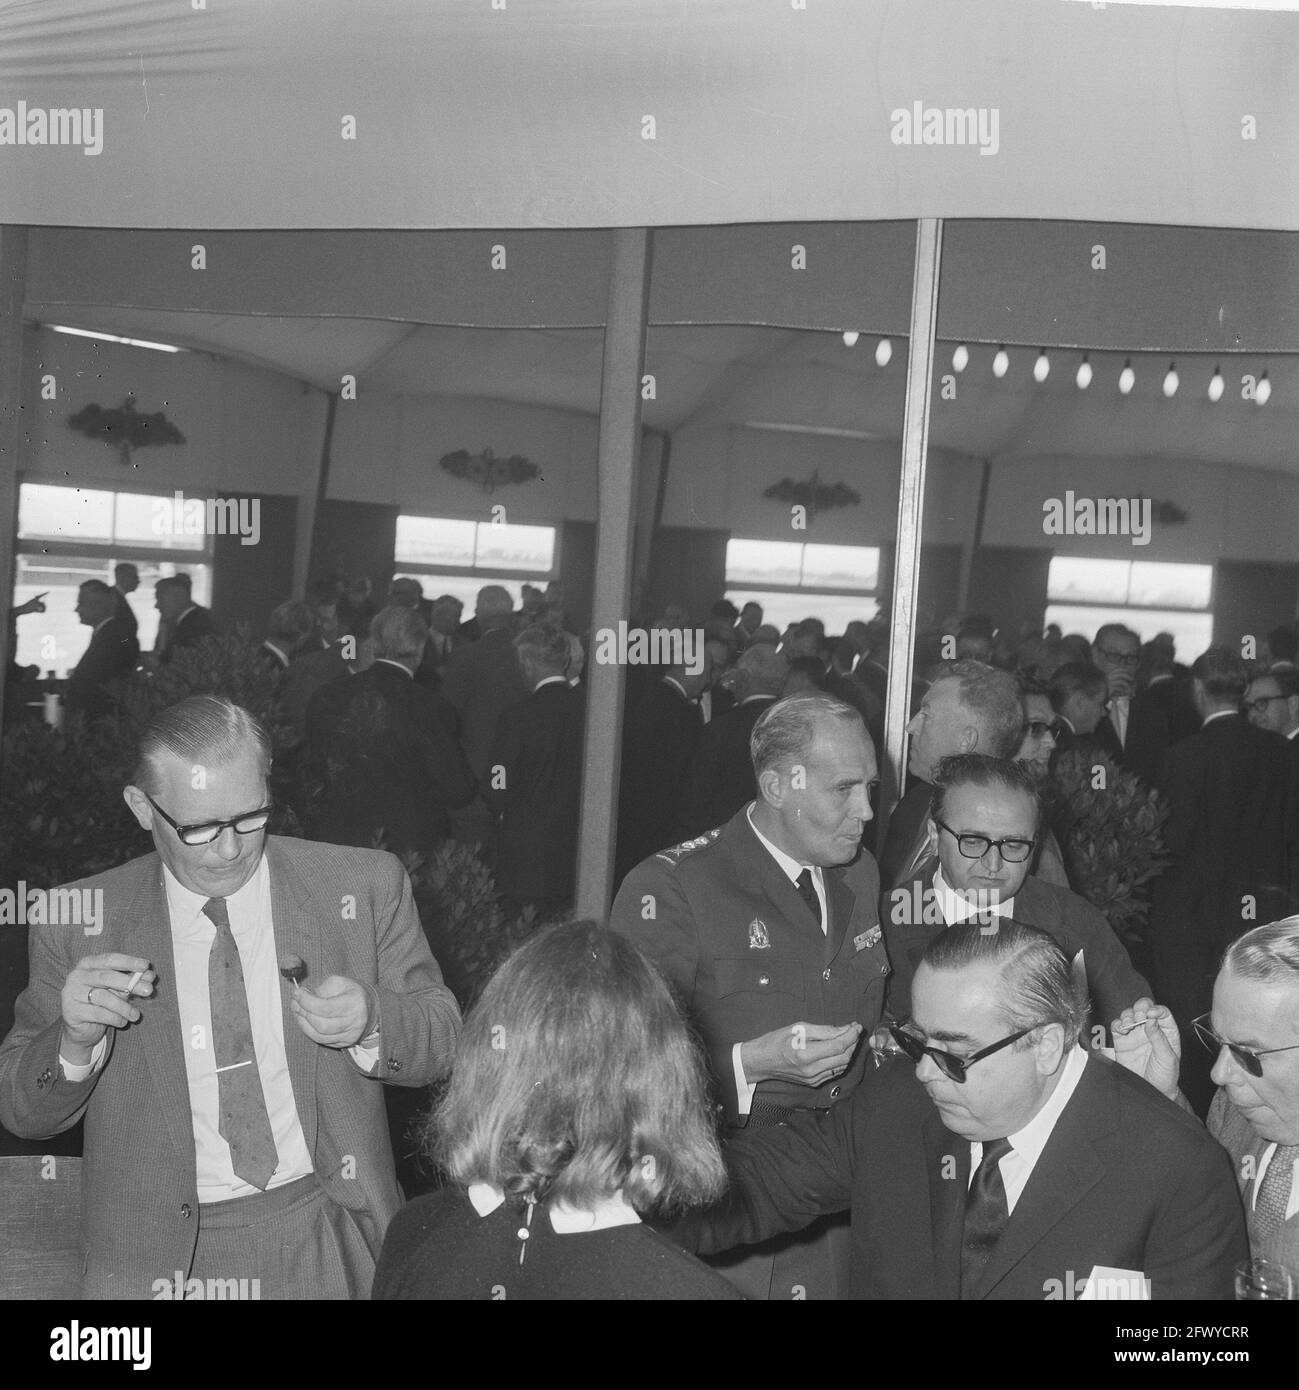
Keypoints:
pixel 984 824
pixel 1139 726
pixel 1272 703
pixel 1252 1031
pixel 224 1035
pixel 1227 789
pixel 996 1159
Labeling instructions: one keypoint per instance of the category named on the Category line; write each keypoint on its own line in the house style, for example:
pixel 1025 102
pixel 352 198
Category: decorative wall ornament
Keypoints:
pixel 813 494
pixel 124 428
pixel 487 470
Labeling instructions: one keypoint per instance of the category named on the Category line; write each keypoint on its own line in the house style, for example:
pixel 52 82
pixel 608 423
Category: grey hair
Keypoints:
pixel 544 648
pixel 785 731
pixel 1269 953
pixel 1037 980
pixel 291 621
pixel 993 699
pixel 203 729
pixel 399 633
pixel 765 669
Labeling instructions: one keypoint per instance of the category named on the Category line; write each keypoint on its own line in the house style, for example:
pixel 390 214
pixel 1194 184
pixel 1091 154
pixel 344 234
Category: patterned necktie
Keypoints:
pixel 1273 1195
pixel 807 891
pixel 986 1213
pixel 244 1123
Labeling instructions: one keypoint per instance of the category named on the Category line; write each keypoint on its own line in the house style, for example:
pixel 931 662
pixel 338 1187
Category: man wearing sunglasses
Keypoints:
pixel 997 1159
pixel 984 823
pixel 224 1035
pixel 1252 1033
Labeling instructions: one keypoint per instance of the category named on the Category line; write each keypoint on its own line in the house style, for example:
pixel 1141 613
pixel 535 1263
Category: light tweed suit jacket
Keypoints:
pixel 1235 1133
pixel 346 912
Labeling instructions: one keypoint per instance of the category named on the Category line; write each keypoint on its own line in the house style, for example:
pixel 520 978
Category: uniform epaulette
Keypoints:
pixel 678 852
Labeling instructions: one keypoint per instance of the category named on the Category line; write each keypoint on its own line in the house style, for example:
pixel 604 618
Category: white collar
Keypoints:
pixel 676 685
pixel 1219 714
pixel 1294 733
pixel 549 680
pixel 789 866
pixel 564 1220
pixel 958 906
pixel 185 907
pixel 186 614
pixel 388 661
pixel 102 621
pixel 1032 1139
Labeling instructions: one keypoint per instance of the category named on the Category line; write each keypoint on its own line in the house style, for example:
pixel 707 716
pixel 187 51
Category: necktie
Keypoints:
pixel 243 1121
pixel 1273 1195
pixel 807 891
pixel 986 1214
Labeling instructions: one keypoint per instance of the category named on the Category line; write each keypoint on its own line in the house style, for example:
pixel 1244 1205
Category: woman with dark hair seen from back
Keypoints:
pixel 576 1103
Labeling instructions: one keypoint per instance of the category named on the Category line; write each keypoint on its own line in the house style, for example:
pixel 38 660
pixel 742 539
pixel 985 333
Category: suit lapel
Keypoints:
pixel 1067 1170
pixel 296 933
pixel 947 1162
pixel 160 1031
pixel 839 901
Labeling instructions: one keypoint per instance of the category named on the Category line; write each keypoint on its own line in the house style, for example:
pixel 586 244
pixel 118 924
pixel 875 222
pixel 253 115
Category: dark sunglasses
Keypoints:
pixel 1039 728
pixel 204 832
pixel 1248 1058
pixel 952 1066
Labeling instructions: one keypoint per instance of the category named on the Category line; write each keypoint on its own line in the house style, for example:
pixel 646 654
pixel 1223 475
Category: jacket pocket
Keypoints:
pixel 752 980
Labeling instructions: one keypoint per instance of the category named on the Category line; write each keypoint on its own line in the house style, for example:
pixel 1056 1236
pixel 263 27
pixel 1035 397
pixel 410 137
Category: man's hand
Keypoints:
pixel 1146 1041
pixel 33 605
pixel 334 1014
pixel 95 999
pixel 808 1053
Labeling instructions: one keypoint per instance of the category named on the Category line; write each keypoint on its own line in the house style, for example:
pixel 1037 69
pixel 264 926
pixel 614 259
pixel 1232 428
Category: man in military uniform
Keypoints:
pixel 768 928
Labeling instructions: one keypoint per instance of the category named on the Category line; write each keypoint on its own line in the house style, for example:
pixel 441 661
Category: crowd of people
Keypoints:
pixel 935 1069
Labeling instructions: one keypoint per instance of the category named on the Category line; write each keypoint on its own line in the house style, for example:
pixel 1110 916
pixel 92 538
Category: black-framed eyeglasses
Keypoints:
pixel 1132 659
pixel 1039 728
pixel 952 1066
pixel 972 846
pixel 204 832
pixel 1248 1057
pixel 1260 703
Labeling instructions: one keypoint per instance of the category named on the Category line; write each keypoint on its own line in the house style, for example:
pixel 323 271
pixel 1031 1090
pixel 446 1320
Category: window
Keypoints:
pixel 792 580
pixel 448 556
pixel 1148 596
pixel 67 535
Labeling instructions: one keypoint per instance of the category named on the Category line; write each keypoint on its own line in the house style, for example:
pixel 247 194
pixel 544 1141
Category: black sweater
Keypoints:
pixel 438 1247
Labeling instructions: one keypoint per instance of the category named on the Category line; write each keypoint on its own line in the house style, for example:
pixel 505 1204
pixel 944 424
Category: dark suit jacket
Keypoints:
pixel 1071 921
pixel 381 753
pixel 1227 788
pixel 720 919
pixel 125 613
pixel 481 680
pixel 188 632
pixel 906 825
pixel 658 750
pixel 140 1207
pixel 1245 1146
pixel 1292 829
pixel 1158 717
pixel 111 655
pixel 305 676
pixel 534 784
pixel 1127 1180
pixel 722 781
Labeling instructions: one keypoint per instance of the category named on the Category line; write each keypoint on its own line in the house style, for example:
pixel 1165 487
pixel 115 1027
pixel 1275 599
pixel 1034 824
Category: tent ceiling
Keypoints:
pixel 736 376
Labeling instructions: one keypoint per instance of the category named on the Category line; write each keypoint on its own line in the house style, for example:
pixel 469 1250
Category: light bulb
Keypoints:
pixel 883 352
pixel 1084 373
pixel 1127 378
pixel 850 338
pixel 1171 381
pixel 1263 391
pixel 1001 363
pixel 1216 384
pixel 960 358
pixel 1042 367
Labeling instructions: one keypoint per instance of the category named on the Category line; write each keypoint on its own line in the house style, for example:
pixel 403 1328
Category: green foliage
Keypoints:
pixel 62 816
pixel 1114 843
pixel 468 929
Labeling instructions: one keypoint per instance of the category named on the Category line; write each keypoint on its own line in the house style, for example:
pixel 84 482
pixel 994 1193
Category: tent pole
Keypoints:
pixel 617 461
pixel 13 284
pixel 911 508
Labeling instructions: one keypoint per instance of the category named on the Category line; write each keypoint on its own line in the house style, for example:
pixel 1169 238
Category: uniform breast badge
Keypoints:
pixel 867 938
pixel 758 939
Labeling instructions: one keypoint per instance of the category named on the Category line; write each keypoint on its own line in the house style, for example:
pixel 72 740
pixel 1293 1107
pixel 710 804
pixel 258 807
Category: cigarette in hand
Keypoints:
pixel 130 988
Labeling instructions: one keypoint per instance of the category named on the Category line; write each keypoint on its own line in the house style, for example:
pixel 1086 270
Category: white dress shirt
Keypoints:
pixel 1026 1145
pixel 791 868
pixel 565 1220
pixel 192 935
pixel 958 906
pixel 1120 708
